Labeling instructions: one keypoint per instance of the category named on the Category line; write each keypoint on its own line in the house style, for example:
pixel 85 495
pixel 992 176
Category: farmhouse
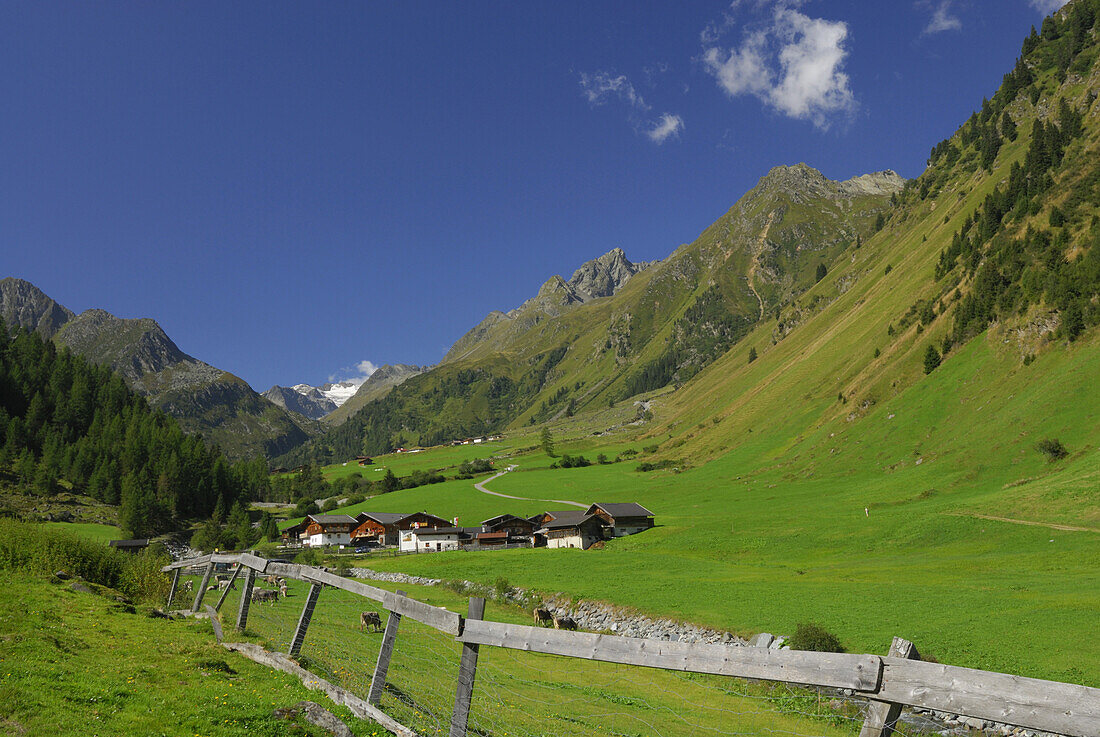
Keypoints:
pixel 434 539
pixel 377 528
pixel 572 529
pixel 512 525
pixel 624 518
pixel 328 529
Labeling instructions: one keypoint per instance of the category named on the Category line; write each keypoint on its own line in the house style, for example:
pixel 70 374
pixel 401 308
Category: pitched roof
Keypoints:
pixel 382 518
pixel 622 509
pixel 136 543
pixel 502 518
pixel 332 519
pixel 571 518
pixel 425 531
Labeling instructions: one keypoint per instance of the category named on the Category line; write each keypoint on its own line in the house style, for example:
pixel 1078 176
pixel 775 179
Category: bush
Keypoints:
pixel 309 557
pixel 37 549
pixel 1052 448
pixel 815 637
pixel 568 461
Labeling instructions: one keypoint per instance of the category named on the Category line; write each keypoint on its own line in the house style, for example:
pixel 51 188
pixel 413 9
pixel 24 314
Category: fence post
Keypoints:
pixel 303 621
pixel 228 586
pixel 467 668
pixel 246 598
pixel 172 589
pixel 202 587
pixel 378 680
pixel 883 716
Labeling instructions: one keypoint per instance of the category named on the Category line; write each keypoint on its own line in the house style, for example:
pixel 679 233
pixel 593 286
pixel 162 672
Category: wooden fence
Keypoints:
pixel 887 683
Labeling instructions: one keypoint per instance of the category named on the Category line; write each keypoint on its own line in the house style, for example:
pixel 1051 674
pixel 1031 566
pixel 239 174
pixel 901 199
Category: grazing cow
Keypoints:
pixel 223 584
pixel 370 618
pixel 273 580
pixel 268 595
pixel 543 617
pixel 283 589
pixel 564 623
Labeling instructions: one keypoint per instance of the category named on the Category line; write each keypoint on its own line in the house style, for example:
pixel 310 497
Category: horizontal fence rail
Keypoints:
pixel 893 681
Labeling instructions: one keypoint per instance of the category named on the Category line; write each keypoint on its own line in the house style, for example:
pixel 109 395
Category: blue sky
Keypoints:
pixel 293 190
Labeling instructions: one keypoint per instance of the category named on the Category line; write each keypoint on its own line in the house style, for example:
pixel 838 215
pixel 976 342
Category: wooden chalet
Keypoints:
pixel 626 518
pixel 294 534
pixel 572 528
pixel 386 528
pixel 378 528
pixel 512 525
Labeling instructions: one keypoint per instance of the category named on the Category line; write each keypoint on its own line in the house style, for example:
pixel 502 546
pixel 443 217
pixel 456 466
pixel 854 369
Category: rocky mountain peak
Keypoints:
pixel 801 182
pixel 603 276
pixel 22 304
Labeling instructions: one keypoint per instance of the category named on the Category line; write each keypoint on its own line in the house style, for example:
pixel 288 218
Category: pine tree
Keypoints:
pixel 752 354
pixel 546 440
pixel 931 359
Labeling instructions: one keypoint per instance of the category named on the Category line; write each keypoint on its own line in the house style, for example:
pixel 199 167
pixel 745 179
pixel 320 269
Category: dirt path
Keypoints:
pixel 480 486
pixel 1050 525
pixel 755 261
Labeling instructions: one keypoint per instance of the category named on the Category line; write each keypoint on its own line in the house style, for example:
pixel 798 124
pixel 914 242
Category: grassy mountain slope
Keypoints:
pixel 558 354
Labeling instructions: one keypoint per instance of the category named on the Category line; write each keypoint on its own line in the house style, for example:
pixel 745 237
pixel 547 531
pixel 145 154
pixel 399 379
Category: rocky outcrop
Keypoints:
pixel 310 403
pixel 24 305
pixel 603 276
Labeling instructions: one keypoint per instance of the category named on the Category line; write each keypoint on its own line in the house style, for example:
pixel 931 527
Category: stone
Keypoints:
pixel 761 639
pixel 317 715
pixel 77 586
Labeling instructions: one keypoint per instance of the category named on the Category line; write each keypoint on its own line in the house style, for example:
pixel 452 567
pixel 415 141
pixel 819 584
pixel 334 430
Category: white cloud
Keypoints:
pixel 601 86
pixel 1046 7
pixel 795 64
pixel 668 126
pixel 356 374
pixel 942 19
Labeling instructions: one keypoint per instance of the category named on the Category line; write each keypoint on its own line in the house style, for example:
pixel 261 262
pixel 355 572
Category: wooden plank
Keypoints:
pixel 303 620
pixel 433 616
pixel 202 587
pixel 172 588
pixel 467 669
pixel 228 587
pixel 286 570
pixel 346 584
pixel 201 560
pixel 882 717
pixel 834 670
pixel 223 558
pixel 358 706
pixel 215 622
pixel 1031 703
pixel 378 680
pixel 254 562
pixel 246 598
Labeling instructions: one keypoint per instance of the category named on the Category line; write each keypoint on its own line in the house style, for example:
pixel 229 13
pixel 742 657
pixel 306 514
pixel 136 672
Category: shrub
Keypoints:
pixel 812 636
pixel 37 549
pixel 309 557
pixel 1052 448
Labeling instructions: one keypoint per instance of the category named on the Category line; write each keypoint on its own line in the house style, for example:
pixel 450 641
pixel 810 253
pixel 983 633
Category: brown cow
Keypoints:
pixel 564 623
pixel 269 595
pixel 370 618
pixel 543 617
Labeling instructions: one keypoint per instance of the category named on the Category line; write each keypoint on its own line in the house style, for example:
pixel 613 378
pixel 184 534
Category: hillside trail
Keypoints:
pixel 755 261
pixel 480 486
pixel 1030 523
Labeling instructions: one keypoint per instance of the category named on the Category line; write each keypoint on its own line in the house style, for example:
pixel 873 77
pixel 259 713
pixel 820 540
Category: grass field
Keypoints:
pixel 526 694
pixel 87 530
pixel 73 663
